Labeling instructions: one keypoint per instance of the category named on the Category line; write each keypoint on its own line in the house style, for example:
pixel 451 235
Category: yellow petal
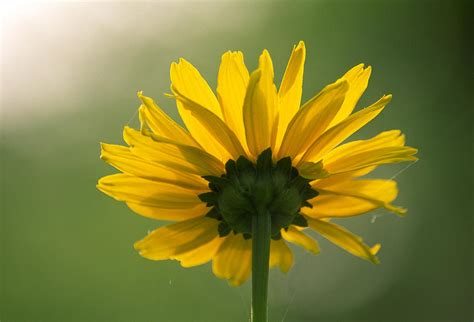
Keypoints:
pixel 233 260
pixel 161 124
pixel 376 191
pixel 232 83
pixel 121 158
pixel 280 255
pixel 145 192
pixel 177 214
pixel 364 159
pixel 187 80
pixel 299 238
pixel 331 179
pixel 291 89
pixel 338 133
pixel 392 138
pixel 210 131
pixel 358 78
pixel 172 240
pixel 175 156
pixel 260 108
pixel 328 205
pixel 348 152
pixel 343 238
pixel 200 255
pixel 312 120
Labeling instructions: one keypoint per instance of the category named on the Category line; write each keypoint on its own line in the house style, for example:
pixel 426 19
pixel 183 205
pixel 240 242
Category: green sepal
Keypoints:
pixel 306 204
pixel 214 213
pixel 300 221
pixel 284 167
pixel 309 193
pixel 210 198
pixel 276 236
pixel 264 163
pixel 218 182
pixel 300 183
pixel 243 164
pixel 280 221
pixel 231 168
pixel 223 229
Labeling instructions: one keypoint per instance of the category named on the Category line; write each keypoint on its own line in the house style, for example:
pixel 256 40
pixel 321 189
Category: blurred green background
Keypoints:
pixel 70 73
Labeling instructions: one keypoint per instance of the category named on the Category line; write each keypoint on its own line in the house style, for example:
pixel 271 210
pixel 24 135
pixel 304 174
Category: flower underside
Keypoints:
pixel 276 187
pixel 252 151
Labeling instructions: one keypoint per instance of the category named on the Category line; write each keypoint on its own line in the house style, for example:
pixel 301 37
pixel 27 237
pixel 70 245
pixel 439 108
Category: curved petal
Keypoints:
pixel 200 255
pixel 232 83
pixel 187 80
pixel 312 120
pixel 338 133
pixel 344 239
pixel 121 158
pixel 387 147
pixel 329 205
pixel 281 255
pixel 379 192
pixel 358 79
pixel 176 156
pixel 291 89
pixel 260 108
pixel 132 189
pixel 178 214
pixel 170 241
pixel 161 124
pixel 233 260
pixel 210 131
pixel 341 177
pixel 371 158
pixel 299 238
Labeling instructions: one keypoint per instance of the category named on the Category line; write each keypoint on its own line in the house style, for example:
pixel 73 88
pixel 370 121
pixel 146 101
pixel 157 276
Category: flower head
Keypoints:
pixel 249 149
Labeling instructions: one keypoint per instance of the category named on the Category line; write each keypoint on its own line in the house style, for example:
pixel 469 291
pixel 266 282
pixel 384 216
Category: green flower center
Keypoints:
pixel 246 188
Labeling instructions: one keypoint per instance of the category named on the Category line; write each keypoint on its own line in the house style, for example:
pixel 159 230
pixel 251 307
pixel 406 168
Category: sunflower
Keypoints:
pixel 252 154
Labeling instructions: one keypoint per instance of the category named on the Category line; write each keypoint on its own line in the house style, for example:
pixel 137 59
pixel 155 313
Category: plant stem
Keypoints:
pixel 261 233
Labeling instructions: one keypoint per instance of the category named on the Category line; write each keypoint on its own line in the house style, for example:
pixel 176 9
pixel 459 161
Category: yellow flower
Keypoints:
pixel 253 141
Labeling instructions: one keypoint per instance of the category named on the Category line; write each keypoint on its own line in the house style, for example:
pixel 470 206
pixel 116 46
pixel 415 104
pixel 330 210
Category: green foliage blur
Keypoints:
pixel 70 73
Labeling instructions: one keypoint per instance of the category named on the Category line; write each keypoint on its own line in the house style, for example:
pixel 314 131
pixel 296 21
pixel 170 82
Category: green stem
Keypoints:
pixel 261 233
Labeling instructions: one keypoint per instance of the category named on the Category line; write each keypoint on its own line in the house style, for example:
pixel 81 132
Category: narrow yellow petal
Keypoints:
pixel 145 192
pixel 260 108
pixel 343 238
pixel 178 214
pixel 331 179
pixel 170 241
pixel 187 80
pixel 200 255
pixel 358 79
pixel 161 124
pixel 210 131
pixel 351 162
pixel 329 205
pixel 387 147
pixel 378 192
pixel 338 133
pixel 312 120
pixel 291 89
pixel 233 260
pixel 280 255
pixel 299 238
pixel 172 155
pixel 124 160
pixel 232 83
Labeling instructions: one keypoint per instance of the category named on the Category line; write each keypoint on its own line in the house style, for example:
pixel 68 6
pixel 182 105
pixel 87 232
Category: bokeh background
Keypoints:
pixel 69 76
